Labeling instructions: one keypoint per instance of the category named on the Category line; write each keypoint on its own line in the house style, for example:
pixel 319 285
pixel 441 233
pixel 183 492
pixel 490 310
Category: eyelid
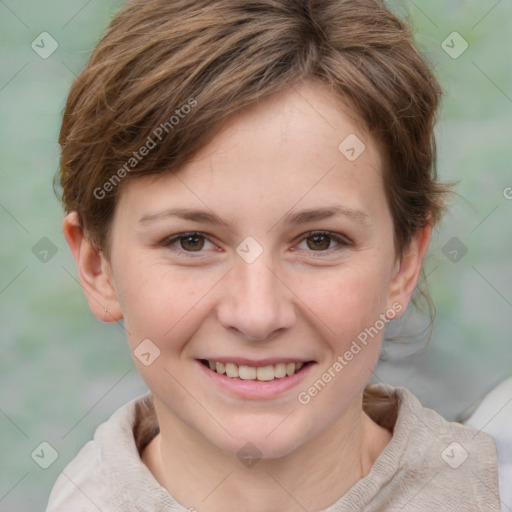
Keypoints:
pixel 341 240
pixel 168 241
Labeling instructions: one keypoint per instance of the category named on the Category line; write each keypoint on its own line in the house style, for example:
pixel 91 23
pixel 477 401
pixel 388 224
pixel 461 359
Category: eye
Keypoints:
pixel 189 242
pixel 320 241
pixel 194 242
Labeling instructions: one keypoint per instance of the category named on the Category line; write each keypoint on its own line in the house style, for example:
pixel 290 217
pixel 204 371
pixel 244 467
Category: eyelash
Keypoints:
pixel 169 241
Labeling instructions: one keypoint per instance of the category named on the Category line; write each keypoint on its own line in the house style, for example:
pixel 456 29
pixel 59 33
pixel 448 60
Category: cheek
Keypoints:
pixel 349 305
pixel 161 304
pixel 166 308
pixel 347 300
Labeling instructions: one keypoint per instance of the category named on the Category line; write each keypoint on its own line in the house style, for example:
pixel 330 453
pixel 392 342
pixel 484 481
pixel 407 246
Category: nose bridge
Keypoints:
pixel 255 301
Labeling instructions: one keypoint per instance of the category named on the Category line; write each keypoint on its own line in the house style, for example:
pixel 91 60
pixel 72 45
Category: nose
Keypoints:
pixel 256 301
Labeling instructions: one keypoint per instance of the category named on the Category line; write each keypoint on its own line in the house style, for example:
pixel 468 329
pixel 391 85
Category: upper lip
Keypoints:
pixel 243 361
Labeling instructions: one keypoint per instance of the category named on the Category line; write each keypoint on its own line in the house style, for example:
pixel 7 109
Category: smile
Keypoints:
pixel 261 373
pixel 254 380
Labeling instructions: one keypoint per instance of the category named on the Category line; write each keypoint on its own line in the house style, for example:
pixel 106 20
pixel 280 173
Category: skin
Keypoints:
pixel 299 299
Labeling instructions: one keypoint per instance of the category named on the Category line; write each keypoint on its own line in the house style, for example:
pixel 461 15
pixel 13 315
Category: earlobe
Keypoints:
pixel 407 270
pixel 94 272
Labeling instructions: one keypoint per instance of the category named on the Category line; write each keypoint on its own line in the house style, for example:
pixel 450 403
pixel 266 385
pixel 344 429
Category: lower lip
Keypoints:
pixel 256 389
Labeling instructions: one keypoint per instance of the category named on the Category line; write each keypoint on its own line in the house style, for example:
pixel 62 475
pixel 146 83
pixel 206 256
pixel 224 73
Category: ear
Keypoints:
pixel 94 271
pixel 407 270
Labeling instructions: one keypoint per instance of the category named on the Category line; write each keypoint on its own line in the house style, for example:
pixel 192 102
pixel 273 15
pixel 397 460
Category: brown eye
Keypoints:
pixel 192 242
pixel 319 242
pixel 187 243
pixel 324 242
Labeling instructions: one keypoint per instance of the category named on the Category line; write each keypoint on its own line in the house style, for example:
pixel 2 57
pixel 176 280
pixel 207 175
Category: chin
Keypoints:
pixel 264 439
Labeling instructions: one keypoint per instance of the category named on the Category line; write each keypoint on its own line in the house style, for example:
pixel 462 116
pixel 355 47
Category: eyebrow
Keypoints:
pixel 300 217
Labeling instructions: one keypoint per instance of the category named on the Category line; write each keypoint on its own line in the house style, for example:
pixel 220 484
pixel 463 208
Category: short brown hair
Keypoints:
pixel 218 56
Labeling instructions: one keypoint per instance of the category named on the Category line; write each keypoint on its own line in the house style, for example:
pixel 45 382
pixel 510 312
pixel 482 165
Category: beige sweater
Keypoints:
pixel 430 465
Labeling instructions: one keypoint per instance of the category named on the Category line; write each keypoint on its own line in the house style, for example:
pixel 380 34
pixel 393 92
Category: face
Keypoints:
pixel 250 282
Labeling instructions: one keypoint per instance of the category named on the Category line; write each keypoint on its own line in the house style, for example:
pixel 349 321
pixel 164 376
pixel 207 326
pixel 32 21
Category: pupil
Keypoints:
pixel 193 245
pixel 318 238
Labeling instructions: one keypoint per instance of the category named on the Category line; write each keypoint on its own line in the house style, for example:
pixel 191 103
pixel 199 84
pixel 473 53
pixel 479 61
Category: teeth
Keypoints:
pixel 265 373
pixel 231 370
pixel 262 373
pixel 280 370
pixel 246 372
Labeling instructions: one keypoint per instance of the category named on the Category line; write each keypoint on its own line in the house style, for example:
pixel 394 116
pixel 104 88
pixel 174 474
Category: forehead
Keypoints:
pixel 299 146
pixel 307 115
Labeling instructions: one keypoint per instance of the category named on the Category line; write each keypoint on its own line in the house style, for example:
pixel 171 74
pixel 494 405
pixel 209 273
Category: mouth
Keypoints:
pixel 267 373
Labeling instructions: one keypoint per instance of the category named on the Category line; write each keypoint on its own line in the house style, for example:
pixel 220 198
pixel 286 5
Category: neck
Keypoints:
pixel 312 477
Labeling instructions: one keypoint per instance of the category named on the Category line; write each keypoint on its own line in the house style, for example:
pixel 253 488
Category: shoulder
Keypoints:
pixel 78 484
pixel 98 476
pixel 431 463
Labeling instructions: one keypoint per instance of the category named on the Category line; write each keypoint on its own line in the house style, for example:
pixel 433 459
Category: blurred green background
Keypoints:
pixel 63 372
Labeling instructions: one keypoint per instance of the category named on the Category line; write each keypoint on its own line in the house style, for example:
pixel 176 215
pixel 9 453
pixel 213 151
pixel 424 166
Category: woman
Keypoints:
pixel 249 186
